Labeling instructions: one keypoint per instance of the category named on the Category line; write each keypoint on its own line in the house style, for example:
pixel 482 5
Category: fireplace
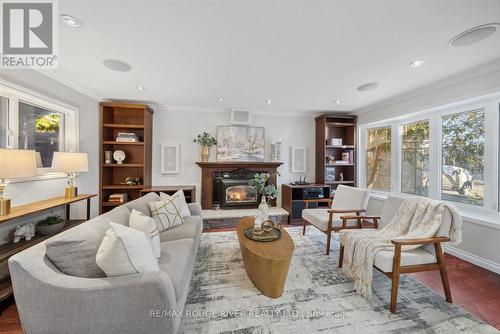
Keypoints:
pixel 213 173
pixel 231 189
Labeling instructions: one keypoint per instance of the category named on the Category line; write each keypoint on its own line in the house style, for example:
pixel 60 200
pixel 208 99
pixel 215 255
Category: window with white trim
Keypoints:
pixel 449 153
pixel 462 150
pixel 378 158
pixel 31 121
pixel 415 158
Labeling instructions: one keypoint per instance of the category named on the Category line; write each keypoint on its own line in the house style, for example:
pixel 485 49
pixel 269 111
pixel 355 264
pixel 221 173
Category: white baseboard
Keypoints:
pixel 478 261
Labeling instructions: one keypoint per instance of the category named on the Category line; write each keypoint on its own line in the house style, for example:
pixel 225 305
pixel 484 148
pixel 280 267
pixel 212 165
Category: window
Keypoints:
pixel 378 159
pixel 463 139
pixel 33 122
pixel 415 158
pixel 40 130
pixel 4 121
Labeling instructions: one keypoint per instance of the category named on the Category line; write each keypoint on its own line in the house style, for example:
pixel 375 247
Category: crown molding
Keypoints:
pixel 65 80
pixel 440 84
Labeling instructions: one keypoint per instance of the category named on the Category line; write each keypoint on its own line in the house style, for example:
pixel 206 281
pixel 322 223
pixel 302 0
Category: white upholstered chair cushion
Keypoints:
pixel 383 259
pixel 346 198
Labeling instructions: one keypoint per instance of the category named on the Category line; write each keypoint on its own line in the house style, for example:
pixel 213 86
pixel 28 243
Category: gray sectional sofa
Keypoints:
pixel 50 301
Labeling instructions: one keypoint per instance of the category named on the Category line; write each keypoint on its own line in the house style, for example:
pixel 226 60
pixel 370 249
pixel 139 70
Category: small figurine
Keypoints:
pixel 27 231
pixel 341 176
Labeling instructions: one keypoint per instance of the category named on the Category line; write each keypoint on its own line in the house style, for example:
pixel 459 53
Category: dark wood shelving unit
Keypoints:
pixel 330 126
pixel 125 117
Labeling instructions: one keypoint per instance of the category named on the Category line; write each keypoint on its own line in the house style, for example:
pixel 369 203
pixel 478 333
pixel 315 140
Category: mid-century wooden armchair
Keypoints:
pixel 347 200
pixel 394 263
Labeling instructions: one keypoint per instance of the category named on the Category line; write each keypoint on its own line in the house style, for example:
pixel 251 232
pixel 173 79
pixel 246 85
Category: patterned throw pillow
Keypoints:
pixel 167 212
pixel 184 209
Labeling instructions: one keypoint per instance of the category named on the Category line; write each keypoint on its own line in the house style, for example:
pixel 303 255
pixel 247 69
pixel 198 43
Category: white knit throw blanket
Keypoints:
pixel 416 218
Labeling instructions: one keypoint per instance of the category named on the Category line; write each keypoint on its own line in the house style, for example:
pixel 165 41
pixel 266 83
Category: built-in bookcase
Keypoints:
pixel 329 172
pixel 133 118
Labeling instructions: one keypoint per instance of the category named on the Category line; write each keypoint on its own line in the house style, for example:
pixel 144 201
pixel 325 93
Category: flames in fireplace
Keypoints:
pixel 241 194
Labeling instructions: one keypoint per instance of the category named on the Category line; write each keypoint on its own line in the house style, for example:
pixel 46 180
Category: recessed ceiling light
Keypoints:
pixel 416 63
pixel 140 87
pixel 474 35
pixel 337 101
pixel 71 21
pixel 369 86
pixel 221 99
pixel 117 65
pixel 269 101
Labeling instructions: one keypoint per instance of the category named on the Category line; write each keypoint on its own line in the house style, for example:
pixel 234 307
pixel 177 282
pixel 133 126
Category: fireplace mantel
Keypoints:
pixel 239 164
pixel 209 168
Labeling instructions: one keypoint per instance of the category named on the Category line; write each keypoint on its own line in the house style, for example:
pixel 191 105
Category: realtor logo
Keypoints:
pixel 28 34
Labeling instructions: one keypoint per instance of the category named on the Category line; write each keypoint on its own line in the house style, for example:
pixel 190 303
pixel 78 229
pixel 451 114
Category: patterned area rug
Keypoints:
pixel 318 298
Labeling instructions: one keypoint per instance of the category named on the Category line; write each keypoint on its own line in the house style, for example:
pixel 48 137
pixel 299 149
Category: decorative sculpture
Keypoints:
pixel 26 230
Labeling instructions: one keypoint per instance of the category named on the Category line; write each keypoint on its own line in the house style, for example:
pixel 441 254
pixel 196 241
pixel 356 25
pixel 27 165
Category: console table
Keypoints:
pixel 9 249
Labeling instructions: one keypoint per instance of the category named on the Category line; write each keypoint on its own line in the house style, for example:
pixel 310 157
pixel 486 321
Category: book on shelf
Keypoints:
pixel 128 137
pixel 121 198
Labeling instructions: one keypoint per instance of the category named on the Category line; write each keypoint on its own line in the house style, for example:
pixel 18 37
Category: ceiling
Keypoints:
pixel 302 55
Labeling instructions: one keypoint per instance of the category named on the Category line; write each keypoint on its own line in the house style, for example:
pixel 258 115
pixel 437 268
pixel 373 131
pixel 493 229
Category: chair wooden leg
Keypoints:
pixel 442 271
pixel 395 278
pixel 304 229
pixel 328 239
pixel 341 256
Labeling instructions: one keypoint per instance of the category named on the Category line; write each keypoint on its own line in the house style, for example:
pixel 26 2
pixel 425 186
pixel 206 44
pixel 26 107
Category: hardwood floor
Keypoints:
pixel 475 289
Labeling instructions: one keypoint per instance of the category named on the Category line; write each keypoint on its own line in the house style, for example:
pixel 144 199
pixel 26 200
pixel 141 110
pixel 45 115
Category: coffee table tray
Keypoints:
pixel 273 235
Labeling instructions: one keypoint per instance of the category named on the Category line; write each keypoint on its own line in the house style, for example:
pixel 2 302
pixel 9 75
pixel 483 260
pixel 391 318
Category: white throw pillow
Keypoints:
pixel 125 251
pixel 146 224
pixel 166 213
pixel 184 209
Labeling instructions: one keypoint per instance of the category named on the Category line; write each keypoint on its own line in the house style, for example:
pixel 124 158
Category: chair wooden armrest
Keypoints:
pixel 346 211
pixel 316 200
pixel 433 240
pixel 360 217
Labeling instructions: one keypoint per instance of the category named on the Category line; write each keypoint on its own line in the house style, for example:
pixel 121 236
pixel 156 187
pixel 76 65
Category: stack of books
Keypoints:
pixel 121 198
pixel 128 137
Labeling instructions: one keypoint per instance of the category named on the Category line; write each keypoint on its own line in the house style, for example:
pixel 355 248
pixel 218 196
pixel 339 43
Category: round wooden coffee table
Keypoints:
pixel 266 263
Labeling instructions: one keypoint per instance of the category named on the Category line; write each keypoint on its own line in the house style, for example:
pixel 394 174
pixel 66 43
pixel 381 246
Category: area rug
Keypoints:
pixel 318 297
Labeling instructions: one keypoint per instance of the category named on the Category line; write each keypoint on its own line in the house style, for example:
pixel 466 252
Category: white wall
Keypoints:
pixel 182 127
pixel 480 242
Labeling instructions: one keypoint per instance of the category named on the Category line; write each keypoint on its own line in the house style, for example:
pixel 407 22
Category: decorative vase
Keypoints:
pixel 263 209
pixel 205 153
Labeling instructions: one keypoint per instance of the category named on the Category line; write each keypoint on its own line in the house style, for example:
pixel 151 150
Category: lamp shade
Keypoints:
pixel 70 162
pixel 17 163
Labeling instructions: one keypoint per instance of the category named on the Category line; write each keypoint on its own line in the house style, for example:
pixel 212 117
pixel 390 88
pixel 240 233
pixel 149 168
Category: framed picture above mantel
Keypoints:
pixel 240 143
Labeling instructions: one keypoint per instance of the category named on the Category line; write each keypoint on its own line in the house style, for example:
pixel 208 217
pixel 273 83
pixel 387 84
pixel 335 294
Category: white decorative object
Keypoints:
pixel 146 224
pixel 240 117
pixel 298 159
pixel 119 156
pixel 170 158
pixel 276 150
pixel 124 251
pixel 263 209
pixel 26 231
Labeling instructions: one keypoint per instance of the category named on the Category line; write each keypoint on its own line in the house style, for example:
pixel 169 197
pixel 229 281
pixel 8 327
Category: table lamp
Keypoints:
pixel 13 164
pixel 70 163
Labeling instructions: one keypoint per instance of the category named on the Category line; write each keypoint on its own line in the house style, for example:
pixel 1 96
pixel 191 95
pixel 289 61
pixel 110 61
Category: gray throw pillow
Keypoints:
pixel 74 252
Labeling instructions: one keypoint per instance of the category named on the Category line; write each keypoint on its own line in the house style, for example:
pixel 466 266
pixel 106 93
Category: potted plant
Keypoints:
pixel 50 225
pixel 206 141
pixel 259 182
